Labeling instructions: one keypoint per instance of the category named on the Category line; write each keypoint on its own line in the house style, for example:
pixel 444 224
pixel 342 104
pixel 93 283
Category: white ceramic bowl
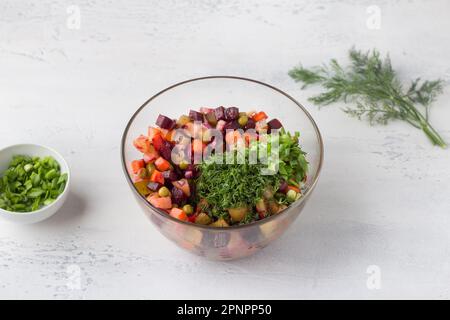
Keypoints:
pixel 6 155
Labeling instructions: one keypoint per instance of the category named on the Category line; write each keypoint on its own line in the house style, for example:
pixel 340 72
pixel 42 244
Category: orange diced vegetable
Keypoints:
pixel 142 143
pixel 179 214
pixel 157 176
pixel 158 141
pixel 152 132
pixel 232 137
pixel 136 165
pixel 160 202
pixel 170 135
pixel 198 146
pixel 151 155
pixel 260 116
pixel 294 188
pixel 162 164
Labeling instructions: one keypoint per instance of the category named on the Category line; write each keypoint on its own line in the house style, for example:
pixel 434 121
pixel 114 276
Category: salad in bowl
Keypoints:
pixel 219 166
pixel 222 165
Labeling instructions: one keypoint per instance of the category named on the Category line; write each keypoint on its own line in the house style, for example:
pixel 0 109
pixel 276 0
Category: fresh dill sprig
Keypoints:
pixel 372 85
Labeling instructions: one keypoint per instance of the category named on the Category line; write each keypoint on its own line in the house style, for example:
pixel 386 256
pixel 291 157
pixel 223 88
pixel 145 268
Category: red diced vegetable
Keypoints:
pixel 165 122
pixel 259 116
pixel 220 113
pixel 274 124
pixel 250 124
pixel 157 176
pixel 283 187
pixel 152 132
pixel 179 214
pixel 162 164
pixel 136 165
pixel 178 196
pixel 231 113
pixel 294 188
pixel 158 141
pixel 196 116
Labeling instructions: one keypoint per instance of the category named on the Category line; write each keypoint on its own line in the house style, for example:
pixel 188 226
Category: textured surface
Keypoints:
pixel 383 197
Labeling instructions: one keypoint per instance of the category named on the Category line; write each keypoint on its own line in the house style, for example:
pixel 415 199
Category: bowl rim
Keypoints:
pixel 44 208
pixel 190 224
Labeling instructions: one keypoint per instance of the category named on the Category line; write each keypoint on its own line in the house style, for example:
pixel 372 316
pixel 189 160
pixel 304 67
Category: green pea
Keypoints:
pixel 188 209
pixel 243 120
pixel 183 165
pixel 163 192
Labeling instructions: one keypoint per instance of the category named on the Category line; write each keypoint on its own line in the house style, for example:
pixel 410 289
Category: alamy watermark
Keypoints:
pixel 373 281
pixel 373 21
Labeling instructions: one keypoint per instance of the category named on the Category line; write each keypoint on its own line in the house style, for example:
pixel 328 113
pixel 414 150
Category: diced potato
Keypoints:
pixel 203 218
pixel 221 223
pixel 237 214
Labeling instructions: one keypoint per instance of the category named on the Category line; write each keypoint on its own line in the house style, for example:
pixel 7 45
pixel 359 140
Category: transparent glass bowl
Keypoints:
pixel 236 241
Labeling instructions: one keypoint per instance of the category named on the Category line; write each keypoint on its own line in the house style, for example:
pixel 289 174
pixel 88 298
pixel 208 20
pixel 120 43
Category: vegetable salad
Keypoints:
pixel 201 167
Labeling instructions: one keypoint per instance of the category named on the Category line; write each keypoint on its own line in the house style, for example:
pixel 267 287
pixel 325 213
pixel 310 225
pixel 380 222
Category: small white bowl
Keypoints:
pixel 45 212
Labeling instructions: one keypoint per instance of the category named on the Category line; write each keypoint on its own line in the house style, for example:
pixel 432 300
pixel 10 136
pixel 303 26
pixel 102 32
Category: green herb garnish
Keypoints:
pixel 30 183
pixel 372 85
pixel 231 185
pixel 227 186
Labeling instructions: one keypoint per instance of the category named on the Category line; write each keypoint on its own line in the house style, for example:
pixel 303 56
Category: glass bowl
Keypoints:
pixel 235 241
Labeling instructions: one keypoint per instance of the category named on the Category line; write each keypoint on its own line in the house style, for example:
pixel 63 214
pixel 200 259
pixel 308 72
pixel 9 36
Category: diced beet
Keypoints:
pixel 166 150
pixel 154 186
pixel 231 125
pixel 274 124
pixel 189 174
pixel 178 196
pixel 250 124
pixel 231 113
pixel 165 122
pixel 283 187
pixel 219 112
pixel 193 169
pixel 196 116
pixel 170 175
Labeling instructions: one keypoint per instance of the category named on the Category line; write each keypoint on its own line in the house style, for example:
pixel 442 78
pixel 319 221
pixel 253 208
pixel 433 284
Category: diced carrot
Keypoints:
pixel 183 185
pixel 160 202
pixel 158 141
pixel 170 135
pixel 157 176
pixel 162 164
pixel 232 137
pixel 198 146
pixel 164 133
pixel 178 214
pixel 151 155
pixel 152 132
pixel 259 116
pixel 294 188
pixel 142 143
pixel 249 137
pixel 136 165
